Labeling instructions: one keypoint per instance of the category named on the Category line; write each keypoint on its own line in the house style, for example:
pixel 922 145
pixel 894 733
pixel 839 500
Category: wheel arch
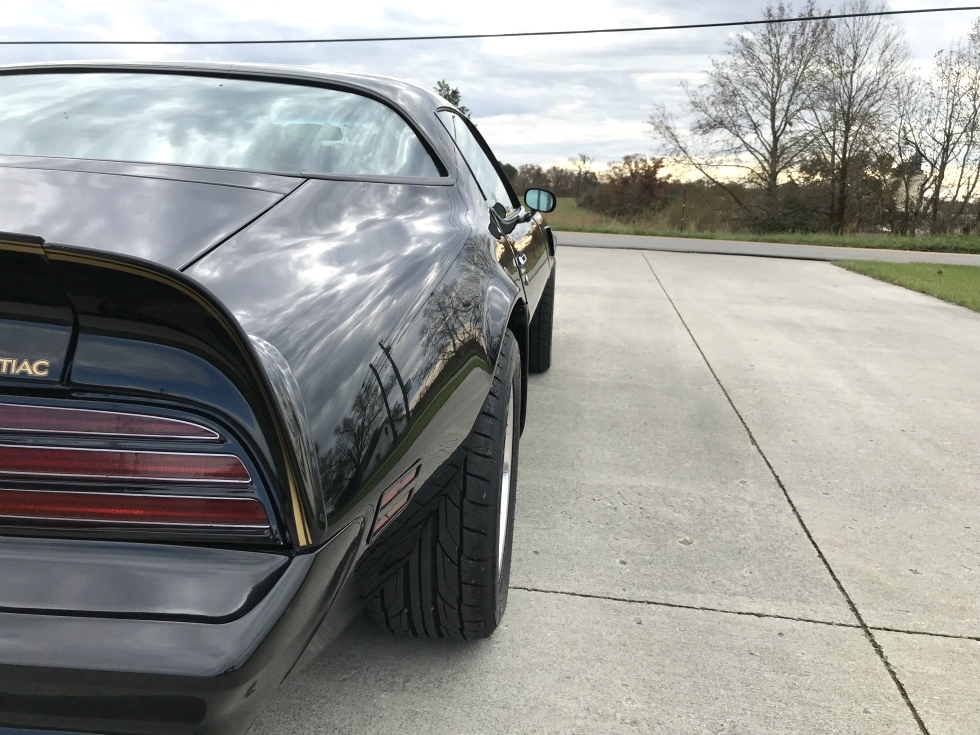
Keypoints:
pixel 506 308
pixel 518 323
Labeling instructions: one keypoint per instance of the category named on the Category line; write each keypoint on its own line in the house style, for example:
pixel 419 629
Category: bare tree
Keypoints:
pixel 968 178
pixel 629 188
pixel 904 183
pixel 451 95
pixel 862 67
pixel 531 175
pixel 943 132
pixel 748 115
pixel 584 161
pixel 585 177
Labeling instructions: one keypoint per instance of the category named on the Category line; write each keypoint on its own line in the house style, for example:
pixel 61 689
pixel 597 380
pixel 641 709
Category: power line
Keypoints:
pixel 521 34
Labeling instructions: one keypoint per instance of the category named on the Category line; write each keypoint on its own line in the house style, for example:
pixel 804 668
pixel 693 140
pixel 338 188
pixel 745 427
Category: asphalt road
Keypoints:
pixel 747 504
pixel 761 249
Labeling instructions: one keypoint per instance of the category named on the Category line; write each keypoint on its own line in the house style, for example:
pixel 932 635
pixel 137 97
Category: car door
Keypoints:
pixel 530 243
pixel 523 244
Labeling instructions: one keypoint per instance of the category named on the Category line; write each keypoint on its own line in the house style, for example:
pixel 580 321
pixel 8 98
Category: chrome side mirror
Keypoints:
pixel 540 200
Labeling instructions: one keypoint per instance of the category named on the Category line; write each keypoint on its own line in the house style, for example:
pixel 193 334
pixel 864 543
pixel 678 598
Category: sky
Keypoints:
pixel 536 100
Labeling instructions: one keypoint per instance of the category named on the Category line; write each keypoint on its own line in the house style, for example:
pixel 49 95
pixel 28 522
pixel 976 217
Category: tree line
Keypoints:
pixel 824 124
pixel 572 180
pixel 820 124
pixel 627 189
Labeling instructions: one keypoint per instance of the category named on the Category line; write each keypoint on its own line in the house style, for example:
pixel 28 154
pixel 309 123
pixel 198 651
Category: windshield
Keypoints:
pixel 206 121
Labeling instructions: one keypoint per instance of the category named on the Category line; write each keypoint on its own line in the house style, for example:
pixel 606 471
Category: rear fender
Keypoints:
pixel 506 309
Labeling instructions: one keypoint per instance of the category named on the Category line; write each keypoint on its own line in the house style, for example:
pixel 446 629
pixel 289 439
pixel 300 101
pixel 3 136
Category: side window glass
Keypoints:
pixel 480 164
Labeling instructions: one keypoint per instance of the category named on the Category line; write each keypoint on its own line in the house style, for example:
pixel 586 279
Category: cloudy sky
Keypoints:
pixel 537 100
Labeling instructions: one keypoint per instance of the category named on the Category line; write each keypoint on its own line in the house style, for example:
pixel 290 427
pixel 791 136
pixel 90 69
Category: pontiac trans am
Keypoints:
pixel 265 335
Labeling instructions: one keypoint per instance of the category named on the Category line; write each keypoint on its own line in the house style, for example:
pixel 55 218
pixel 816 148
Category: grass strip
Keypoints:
pixel 568 216
pixel 957 284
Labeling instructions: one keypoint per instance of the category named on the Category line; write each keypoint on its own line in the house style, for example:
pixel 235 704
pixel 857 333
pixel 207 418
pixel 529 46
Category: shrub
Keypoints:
pixel 628 189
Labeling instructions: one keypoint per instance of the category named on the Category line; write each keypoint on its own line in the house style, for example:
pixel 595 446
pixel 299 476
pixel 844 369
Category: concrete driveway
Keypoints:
pixel 748 504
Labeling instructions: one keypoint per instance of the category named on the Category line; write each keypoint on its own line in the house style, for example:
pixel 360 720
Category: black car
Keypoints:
pixel 264 342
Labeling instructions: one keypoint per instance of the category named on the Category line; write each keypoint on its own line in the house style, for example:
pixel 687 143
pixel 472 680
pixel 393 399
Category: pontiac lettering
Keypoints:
pixel 18 366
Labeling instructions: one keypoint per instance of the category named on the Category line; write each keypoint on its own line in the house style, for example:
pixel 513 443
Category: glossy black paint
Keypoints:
pixel 170 221
pixel 37 317
pixel 167 677
pixel 371 378
pixel 342 330
pixel 152 581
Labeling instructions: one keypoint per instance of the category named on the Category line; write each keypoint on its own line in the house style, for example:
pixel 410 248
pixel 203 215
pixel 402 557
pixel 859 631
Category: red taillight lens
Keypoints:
pixel 51 420
pixel 38 505
pixel 105 464
pixel 98 472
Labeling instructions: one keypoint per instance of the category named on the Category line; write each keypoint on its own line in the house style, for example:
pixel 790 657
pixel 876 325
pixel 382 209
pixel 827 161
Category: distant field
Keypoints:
pixel 569 217
pixel 958 284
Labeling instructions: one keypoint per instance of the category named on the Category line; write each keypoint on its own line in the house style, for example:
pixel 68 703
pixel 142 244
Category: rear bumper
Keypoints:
pixel 137 676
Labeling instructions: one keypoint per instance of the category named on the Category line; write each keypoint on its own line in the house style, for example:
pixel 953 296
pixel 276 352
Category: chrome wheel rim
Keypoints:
pixel 505 485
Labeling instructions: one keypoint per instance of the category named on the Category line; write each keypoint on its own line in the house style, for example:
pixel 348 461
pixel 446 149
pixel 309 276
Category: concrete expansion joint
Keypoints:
pixel 698 608
pixel 927 633
pixel 868 633
pixel 743 613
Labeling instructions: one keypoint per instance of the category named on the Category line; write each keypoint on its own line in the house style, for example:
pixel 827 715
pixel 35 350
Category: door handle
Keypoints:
pixel 519 261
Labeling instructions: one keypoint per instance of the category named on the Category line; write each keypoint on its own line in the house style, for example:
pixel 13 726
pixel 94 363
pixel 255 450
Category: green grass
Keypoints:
pixel 958 284
pixel 570 217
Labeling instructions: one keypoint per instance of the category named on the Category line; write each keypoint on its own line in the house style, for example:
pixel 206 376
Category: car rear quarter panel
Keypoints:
pixel 387 303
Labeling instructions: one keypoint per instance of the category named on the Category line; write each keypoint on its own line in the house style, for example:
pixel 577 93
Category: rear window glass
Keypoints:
pixel 206 121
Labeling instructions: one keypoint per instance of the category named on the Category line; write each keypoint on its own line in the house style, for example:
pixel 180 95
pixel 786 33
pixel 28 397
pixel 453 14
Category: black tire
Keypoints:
pixel 437 569
pixel 542 323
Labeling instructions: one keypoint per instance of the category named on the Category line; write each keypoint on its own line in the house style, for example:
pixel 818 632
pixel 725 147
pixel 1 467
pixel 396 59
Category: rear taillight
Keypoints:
pixel 114 465
pixel 87 422
pixel 118 508
pixel 81 468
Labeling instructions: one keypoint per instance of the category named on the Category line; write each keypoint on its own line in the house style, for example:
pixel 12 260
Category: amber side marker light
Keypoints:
pixel 163 510
pixel 394 499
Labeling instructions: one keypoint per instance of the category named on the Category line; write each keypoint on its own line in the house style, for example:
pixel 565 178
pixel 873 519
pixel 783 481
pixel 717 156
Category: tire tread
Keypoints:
pixel 541 330
pixel 432 573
